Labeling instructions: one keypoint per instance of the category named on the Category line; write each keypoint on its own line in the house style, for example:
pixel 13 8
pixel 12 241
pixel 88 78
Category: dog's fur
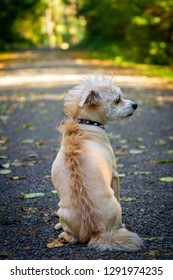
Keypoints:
pixel 84 171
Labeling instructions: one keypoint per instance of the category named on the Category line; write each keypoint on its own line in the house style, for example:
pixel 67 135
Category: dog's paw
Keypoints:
pixel 56 213
pixel 58 226
pixel 68 237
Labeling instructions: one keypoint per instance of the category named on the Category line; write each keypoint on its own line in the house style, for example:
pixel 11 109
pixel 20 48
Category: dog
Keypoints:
pixel 84 171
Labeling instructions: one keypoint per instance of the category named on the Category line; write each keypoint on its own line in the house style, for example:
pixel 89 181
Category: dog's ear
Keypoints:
pixel 89 98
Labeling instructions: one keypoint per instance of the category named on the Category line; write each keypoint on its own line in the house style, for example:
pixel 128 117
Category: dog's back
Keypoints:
pixel 88 208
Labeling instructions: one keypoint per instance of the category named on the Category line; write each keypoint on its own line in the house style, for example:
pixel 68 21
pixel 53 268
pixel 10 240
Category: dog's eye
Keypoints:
pixel 117 100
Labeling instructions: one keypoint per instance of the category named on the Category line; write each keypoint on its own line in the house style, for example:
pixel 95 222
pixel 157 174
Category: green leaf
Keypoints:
pixel 17 178
pixel 5 171
pixel 113 136
pixel 135 151
pixel 166 179
pixel 153 238
pixel 39 143
pixel 141 172
pixel 3 157
pixel 127 199
pixel 33 155
pixel 54 191
pixel 121 175
pixel 169 152
pixel 160 142
pixel 5 165
pixel 164 160
pixel 28 141
pixel 31 195
pixel 28 126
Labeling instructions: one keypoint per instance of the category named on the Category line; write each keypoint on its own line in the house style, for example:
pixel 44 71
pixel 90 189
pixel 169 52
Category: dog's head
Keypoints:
pixel 97 98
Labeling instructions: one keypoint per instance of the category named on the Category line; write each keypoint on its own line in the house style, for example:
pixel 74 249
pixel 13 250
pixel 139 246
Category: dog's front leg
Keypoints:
pixel 115 185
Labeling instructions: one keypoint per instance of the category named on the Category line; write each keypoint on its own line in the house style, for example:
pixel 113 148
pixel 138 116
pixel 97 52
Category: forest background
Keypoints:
pixel 138 30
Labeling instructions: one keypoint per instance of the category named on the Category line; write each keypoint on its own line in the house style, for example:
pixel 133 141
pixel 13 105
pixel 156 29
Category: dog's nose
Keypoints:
pixel 134 106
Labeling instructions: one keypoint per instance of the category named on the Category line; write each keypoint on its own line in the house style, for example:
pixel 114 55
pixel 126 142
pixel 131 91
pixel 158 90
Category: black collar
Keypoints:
pixel 88 122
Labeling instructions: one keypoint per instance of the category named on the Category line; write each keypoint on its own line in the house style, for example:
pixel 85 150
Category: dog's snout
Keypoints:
pixel 134 106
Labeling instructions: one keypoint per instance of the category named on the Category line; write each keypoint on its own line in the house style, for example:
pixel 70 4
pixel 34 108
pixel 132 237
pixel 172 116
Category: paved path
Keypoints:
pixel 32 88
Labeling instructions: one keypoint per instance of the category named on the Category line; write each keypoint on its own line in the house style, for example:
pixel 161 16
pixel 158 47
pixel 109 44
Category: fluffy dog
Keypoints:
pixel 84 171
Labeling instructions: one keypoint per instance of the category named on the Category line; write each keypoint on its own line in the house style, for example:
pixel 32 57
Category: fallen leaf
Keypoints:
pixel 121 175
pixel 143 147
pixel 17 163
pixel 166 179
pixel 33 155
pixel 135 151
pixel 28 141
pixel 138 139
pixel 164 160
pixel 4 140
pixel 47 177
pixel 123 141
pixel 3 148
pixel 153 254
pixel 160 142
pixel 169 152
pixel 17 178
pixel 28 247
pixel 3 157
pixel 4 118
pixel 5 171
pixel 28 126
pixel 26 233
pixel 120 153
pixel 127 199
pixel 4 255
pixel 141 172
pixel 113 136
pixel 39 143
pixel 153 238
pixel 54 244
pixel 54 191
pixel 5 165
pixel 31 195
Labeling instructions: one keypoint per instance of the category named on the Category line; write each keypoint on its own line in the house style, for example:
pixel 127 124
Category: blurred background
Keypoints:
pixel 136 30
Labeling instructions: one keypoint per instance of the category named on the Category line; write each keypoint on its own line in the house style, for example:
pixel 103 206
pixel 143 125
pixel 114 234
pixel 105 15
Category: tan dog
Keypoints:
pixel 84 171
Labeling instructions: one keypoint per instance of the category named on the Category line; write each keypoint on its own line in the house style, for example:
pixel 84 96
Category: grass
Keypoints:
pixel 150 70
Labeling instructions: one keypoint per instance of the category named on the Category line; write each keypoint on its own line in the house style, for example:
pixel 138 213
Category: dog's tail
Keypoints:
pixel 73 141
pixel 121 240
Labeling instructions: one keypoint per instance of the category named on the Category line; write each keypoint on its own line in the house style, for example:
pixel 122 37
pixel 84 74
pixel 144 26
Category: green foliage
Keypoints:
pixel 10 11
pixel 140 31
pixel 133 30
